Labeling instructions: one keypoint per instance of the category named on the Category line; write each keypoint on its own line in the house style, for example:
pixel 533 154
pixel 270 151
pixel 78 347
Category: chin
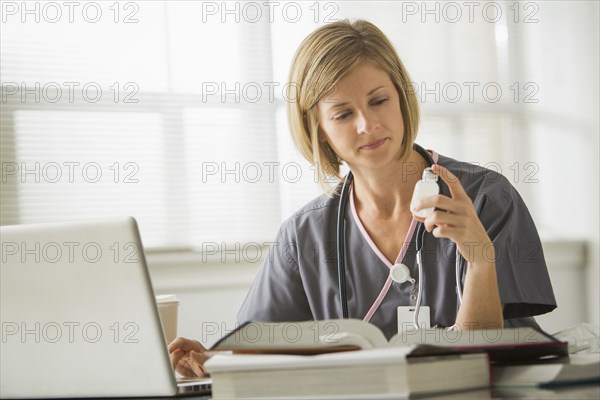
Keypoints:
pixel 376 162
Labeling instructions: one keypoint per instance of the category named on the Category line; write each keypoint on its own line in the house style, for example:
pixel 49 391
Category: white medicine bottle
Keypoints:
pixel 426 187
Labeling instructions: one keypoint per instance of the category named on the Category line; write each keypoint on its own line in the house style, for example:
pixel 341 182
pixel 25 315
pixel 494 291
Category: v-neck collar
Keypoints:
pixel 369 240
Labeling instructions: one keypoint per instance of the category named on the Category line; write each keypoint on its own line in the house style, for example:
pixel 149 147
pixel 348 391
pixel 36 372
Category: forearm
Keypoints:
pixel 481 306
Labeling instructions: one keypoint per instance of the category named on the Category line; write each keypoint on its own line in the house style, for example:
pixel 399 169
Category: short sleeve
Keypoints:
pixel 277 293
pixel 523 280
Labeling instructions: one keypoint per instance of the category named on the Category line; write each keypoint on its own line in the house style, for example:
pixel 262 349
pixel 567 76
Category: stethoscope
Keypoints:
pixel 399 272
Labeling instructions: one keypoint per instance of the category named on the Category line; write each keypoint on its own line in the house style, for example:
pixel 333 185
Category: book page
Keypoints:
pixel 234 362
pixel 306 334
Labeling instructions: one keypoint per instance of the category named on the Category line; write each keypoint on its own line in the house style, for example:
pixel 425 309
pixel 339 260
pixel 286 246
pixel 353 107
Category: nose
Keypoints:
pixel 366 122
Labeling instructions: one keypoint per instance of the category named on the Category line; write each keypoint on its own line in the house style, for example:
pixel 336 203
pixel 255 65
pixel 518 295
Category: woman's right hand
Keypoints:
pixel 187 357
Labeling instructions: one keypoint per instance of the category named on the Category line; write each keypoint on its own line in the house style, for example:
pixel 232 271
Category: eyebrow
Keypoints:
pixel 338 105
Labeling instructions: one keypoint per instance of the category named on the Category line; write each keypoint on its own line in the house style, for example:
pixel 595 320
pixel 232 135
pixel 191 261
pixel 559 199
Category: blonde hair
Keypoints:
pixel 322 59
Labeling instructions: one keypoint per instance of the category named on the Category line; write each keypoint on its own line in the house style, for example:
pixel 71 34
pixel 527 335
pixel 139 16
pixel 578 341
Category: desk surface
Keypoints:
pixel 584 391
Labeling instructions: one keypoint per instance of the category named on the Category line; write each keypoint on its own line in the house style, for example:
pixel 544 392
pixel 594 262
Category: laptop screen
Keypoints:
pixel 77 302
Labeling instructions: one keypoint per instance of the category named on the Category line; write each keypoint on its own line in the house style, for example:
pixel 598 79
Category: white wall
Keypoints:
pixel 567 265
pixel 561 56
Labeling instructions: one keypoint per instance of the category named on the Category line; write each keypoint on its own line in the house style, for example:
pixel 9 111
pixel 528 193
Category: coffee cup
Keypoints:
pixel 167 308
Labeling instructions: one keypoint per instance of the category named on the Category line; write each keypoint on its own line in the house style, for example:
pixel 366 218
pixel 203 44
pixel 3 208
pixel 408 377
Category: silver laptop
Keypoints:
pixel 78 314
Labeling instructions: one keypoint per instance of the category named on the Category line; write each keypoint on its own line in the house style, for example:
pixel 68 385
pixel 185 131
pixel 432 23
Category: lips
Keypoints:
pixel 373 145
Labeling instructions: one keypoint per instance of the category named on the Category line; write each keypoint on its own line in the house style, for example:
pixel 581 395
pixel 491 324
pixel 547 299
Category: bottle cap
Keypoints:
pixel 429 175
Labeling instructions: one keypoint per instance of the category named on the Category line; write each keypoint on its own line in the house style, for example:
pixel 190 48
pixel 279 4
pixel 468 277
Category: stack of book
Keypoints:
pixel 352 359
pixel 367 374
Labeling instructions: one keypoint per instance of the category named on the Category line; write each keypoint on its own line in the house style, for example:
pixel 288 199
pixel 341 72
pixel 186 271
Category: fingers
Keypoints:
pixel 176 344
pixel 175 356
pixel 185 345
pixel 179 364
pixel 457 203
pixel 188 365
pixel 187 357
pixel 454 217
pixel 443 219
pixel 185 370
pixel 438 201
pixel 456 189
pixel 196 362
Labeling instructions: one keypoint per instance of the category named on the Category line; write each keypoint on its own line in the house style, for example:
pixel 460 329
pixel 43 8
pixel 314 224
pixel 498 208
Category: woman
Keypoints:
pixel 353 105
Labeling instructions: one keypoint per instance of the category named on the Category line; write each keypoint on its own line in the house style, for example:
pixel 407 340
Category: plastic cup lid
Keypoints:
pixel 166 298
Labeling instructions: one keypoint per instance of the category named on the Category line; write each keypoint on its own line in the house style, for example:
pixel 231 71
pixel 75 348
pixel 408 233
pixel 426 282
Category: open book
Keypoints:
pixel 335 335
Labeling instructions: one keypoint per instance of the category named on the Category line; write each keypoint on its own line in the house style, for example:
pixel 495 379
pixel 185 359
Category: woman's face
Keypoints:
pixel 361 118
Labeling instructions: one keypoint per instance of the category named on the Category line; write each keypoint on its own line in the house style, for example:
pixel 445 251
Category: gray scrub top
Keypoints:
pixel 299 279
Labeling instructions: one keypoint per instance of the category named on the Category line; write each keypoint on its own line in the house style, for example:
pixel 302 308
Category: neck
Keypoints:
pixel 387 193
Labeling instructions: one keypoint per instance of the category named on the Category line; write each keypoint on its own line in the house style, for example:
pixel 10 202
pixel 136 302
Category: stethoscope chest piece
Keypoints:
pixel 400 273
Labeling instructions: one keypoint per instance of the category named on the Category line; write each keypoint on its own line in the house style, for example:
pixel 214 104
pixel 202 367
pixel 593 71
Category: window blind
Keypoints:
pixel 173 111
pixel 150 111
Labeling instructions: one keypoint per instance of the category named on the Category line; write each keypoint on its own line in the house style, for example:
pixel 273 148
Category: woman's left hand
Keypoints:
pixel 456 219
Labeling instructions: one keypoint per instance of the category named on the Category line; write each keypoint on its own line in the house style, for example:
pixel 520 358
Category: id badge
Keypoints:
pixel 406 315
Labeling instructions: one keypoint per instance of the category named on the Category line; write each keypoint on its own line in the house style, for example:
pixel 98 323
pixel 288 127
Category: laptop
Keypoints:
pixel 78 314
